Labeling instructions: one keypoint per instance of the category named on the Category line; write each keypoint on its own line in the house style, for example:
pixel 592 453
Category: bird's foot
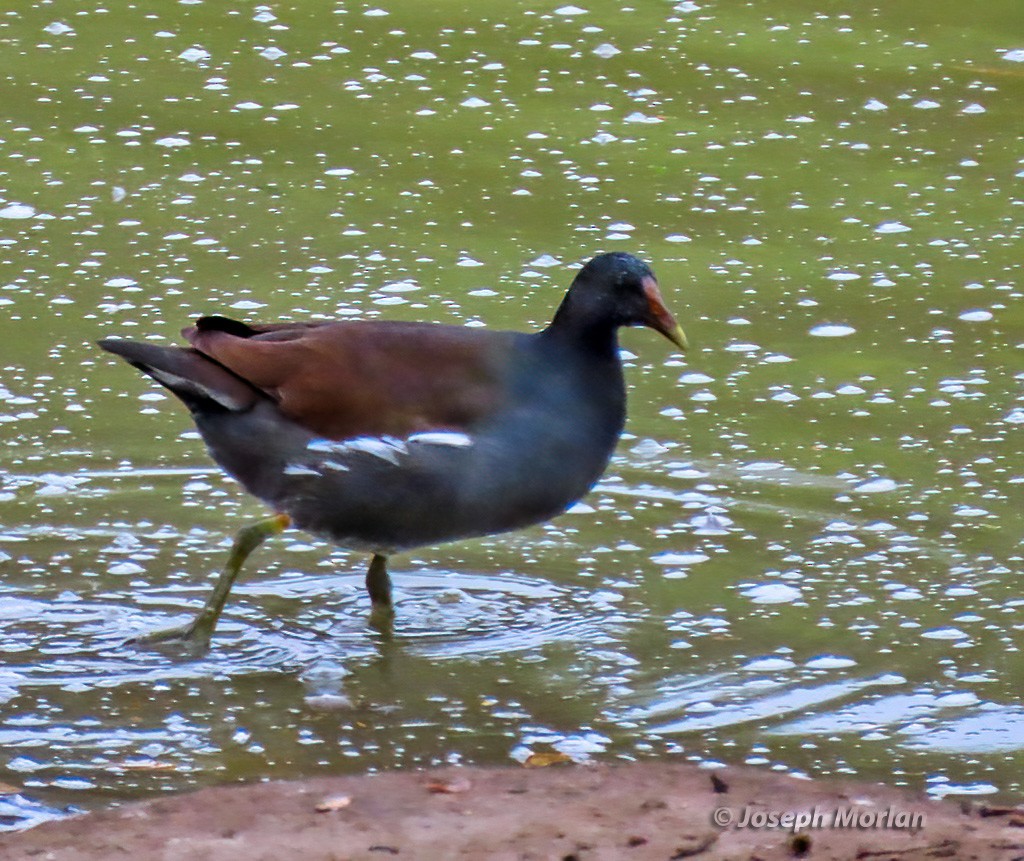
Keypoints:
pixel 192 638
pixel 382 618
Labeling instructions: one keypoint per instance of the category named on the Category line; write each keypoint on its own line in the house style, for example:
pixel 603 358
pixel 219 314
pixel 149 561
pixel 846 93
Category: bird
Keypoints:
pixel 384 436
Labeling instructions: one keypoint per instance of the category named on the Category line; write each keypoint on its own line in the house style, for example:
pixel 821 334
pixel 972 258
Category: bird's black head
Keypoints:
pixel 617 289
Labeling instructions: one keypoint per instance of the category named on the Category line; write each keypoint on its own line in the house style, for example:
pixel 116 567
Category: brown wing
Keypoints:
pixel 354 378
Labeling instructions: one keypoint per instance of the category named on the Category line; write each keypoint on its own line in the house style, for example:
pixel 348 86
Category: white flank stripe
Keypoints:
pixel 452 438
pixel 388 447
pixel 298 469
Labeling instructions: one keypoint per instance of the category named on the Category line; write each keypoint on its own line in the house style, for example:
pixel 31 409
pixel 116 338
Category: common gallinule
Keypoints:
pixel 385 436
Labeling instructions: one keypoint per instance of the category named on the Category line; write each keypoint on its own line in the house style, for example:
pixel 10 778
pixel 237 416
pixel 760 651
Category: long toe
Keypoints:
pixel 191 639
pixel 382 618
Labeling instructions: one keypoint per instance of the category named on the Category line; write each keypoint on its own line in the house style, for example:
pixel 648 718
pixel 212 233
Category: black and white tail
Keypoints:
pixel 202 384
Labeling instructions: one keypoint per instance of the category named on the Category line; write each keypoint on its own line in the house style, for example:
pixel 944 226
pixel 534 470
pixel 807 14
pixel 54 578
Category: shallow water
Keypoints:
pixel 806 553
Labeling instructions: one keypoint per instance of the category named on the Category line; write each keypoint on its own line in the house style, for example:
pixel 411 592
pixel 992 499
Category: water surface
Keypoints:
pixel 806 553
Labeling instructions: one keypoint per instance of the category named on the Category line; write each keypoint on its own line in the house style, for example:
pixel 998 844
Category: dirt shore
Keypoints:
pixel 646 812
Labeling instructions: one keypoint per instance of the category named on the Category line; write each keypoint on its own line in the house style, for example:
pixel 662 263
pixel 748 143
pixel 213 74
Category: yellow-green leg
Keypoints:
pixel 378 584
pixel 197 633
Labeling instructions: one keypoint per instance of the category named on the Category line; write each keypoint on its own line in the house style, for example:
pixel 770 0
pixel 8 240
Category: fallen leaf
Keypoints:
pixel 988 70
pixel 450 787
pixel 986 810
pixel 698 844
pixel 717 784
pixel 546 758
pixel 334 802
pixel 328 703
pixel 143 765
pixel 799 845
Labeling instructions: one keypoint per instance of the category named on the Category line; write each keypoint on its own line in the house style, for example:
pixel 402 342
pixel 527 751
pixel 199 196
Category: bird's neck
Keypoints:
pixel 578 327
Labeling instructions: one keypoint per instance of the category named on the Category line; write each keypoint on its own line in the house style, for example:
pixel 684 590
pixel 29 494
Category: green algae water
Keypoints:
pixel 806 554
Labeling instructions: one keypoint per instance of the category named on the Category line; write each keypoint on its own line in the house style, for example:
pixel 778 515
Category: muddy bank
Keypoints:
pixel 645 812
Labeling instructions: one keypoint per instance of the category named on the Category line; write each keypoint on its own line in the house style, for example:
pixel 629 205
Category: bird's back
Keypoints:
pixel 539 436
